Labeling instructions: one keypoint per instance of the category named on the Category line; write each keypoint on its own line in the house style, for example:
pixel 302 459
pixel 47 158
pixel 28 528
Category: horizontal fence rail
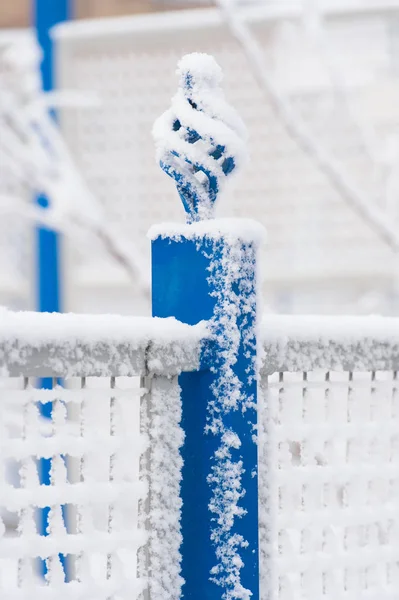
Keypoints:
pixel 327 442
pixel 66 345
pixel 293 343
pixel 35 344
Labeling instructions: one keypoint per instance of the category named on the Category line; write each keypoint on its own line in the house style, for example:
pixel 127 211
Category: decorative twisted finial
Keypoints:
pixel 200 140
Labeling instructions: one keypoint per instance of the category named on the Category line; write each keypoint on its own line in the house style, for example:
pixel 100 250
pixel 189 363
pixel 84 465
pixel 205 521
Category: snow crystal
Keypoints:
pixel 232 277
pixel 300 448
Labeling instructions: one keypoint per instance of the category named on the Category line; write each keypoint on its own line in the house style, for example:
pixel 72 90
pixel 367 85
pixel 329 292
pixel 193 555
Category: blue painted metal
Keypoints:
pixel 182 289
pixel 183 170
pixel 46 14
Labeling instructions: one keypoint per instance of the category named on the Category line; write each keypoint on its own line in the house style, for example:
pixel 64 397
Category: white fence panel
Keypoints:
pixel 93 443
pixel 329 469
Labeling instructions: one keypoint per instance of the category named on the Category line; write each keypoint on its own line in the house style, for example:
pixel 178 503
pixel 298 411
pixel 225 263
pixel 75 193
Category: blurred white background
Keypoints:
pixel 325 182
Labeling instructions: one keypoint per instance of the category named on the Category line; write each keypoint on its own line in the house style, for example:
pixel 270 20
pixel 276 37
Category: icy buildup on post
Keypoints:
pixel 201 139
pixel 200 274
pixel 206 270
pixel 234 325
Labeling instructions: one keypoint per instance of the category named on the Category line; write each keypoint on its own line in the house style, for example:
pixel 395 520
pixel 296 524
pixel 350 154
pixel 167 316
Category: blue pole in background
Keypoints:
pixel 192 281
pixel 46 14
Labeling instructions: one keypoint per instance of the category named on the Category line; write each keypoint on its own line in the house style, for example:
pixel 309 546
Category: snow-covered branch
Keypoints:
pixel 35 153
pixel 383 154
pixel 376 218
pixel 317 32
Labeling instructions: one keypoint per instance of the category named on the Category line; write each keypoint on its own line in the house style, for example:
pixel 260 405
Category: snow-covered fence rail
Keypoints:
pixel 59 345
pixel 328 454
pixel 328 458
pixel 113 370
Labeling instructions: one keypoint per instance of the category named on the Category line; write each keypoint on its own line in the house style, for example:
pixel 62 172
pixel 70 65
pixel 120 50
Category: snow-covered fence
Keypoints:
pixel 328 453
pixel 328 458
pixel 311 452
pixel 94 443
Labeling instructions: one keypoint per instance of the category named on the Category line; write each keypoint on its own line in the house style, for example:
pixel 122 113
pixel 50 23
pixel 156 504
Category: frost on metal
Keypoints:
pixel 328 460
pixel 328 488
pixel 230 247
pixel 200 142
pixel 67 345
pixel 230 229
pixel 200 139
pixel 93 441
pixel 340 343
pixel 161 559
pixel 232 279
pixel 267 499
pixel 231 251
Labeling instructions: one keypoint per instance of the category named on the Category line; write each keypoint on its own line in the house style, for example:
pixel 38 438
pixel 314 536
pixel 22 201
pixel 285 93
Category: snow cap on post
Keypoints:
pixel 200 140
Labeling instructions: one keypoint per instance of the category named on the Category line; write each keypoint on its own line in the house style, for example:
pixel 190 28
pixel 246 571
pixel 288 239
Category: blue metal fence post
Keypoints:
pixel 197 277
pixel 206 270
pixel 46 14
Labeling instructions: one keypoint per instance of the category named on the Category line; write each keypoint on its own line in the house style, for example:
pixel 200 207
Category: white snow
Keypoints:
pixel 315 434
pixel 199 108
pixel 352 343
pixel 164 465
pixel 86 440
pixel 96 344
pixel 47 328
pixel 233 279
pixel 40 162
pixel 230 229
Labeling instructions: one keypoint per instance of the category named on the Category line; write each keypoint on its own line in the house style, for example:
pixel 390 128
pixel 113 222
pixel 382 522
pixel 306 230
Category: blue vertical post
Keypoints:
pixel 46 14
pixel 206 270
pixel 200 276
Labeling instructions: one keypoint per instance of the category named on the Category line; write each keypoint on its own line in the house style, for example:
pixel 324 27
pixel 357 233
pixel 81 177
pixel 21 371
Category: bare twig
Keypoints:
pixel 37 155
